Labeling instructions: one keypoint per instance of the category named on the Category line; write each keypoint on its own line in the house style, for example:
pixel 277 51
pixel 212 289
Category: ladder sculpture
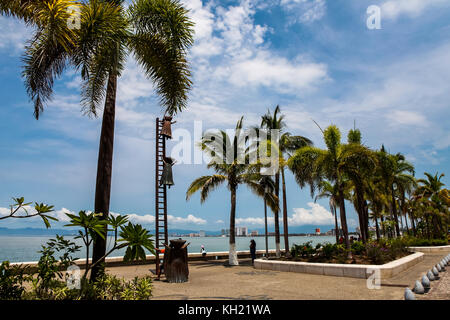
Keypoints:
pixel 161 235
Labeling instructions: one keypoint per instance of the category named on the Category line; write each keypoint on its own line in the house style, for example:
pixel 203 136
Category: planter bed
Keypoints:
pixel 363 271
pixel 436 249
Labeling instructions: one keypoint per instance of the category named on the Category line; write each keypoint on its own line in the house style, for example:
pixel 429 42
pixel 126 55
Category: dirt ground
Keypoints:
pixel 216 280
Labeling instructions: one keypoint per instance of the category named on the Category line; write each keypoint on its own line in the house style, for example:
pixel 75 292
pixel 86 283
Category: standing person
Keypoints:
pixel 161 266
pixel 203 251
pixel 253 250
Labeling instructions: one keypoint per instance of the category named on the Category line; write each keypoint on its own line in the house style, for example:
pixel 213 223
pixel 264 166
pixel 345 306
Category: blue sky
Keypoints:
pixel 315 58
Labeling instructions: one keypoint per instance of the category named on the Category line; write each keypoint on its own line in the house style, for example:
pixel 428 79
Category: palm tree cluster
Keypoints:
pixel 381 186
pixel 95 37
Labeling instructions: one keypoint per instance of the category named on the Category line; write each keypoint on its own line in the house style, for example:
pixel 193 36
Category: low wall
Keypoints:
pixel 150 259
pixel 437 249
pixel 387 270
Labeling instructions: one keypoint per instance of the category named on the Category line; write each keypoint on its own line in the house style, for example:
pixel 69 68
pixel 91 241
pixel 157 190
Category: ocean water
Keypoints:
pixel 25 248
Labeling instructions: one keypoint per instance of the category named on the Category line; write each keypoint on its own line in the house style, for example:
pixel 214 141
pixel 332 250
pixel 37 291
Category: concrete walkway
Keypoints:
pixel 216 280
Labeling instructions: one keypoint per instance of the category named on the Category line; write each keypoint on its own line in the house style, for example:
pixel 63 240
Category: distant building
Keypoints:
pixel 317 231
pixel 202 233
pixel 254 233
pixel 241 231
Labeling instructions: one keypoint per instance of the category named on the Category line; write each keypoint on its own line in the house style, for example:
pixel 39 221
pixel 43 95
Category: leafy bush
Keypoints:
pixel 305 250
pixel 109 287
pixel 376 253
pixel 358 247
pixel 49 275
pixel 420 242
pixel 11 281
pixel 329 250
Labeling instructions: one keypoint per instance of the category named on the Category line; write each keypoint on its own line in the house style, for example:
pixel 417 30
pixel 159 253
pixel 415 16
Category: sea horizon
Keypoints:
pixel 25 248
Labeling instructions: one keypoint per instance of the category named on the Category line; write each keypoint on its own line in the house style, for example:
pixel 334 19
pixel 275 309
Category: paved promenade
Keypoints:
pixel 215 280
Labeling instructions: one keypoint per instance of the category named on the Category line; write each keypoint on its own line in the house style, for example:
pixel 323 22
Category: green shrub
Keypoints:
pixel 329 250
pixel 12 279
pixel 421 242
pixel 358 247
pixel 305 250
pixel 49 276
pixel 109 287
pixel 376 253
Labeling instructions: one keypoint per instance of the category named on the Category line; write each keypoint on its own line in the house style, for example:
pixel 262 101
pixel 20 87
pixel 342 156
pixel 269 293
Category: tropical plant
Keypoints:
pixel 327 190
pixel 109 287
pixel 50 269
pixel 268 185
pixel 435 204
pixel 272 122
pixel 229 158
pixel 286 146
pixel 133 237
pixel 19 210
pixel 157 33
pixel 12 279
pixel 312 165
pixel 394 171
pixel 359 165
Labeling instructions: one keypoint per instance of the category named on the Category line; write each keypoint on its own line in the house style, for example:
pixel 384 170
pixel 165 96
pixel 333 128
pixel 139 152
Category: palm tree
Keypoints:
pixel 157 32
pixel 378 201
pixel 432 193
pixel 275 122
pixel 394 170
pixel 328 190
pixel 359 167
pixel 286 145
pixel 227 153
pixel 312 165
pixel 268 184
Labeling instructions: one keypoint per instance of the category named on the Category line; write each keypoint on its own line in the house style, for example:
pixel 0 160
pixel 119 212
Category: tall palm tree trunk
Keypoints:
pixel 413 225
pixel 394 211
pixel 104 171
pixel 276 216
pixel 233 260
pixel 266 235
pixel 344 220
pixel 366 221
pixel 285 215
pixel 336 225
pixel 383 231
pixel 361 213
pixel 377 228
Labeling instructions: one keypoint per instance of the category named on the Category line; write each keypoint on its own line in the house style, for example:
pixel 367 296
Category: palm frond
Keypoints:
pixel 163 32
pixel 206 184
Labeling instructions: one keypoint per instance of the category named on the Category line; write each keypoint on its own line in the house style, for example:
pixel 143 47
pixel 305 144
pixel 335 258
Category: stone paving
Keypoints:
pixel 216 280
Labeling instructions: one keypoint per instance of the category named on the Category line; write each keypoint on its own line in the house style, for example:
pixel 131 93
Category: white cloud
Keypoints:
pixel 190 219
pixel 413 8
pixel 142 219
pixel 245 58
pixel 278 73
pixel 254 221
pixel 316 215
pixel 409 118
pixel 304 11
pixel 13 35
